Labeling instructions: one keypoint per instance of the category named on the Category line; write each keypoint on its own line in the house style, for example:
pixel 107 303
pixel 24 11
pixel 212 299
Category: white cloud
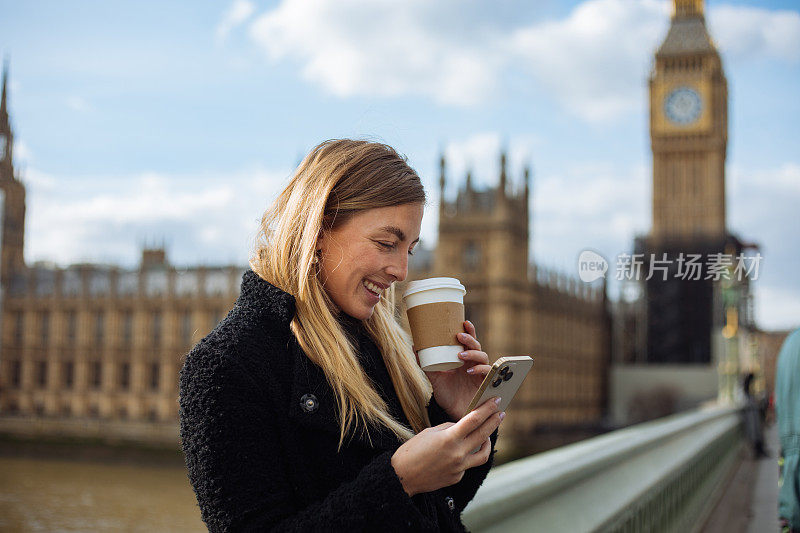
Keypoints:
pixel 594 61
pixel 756 33
pixel 236 15
pixel 785 178
pixel 384 48
pixel 22 153
pixel 596 204
pixel 777 307
pixel 150 200
pixel 203 218
pixel 788 177
pixel 480 154
pixel 76 103
pixel 477 154
pixel 757 196
pixel 35 179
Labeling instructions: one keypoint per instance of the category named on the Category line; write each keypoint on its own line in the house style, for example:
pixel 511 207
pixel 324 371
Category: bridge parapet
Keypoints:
pixel 661 475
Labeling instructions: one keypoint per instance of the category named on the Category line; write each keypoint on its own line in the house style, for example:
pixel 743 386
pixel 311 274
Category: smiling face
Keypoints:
pixel 362 257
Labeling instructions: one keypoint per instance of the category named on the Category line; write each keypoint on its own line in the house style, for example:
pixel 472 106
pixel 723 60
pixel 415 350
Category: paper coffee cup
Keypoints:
pixel 435 308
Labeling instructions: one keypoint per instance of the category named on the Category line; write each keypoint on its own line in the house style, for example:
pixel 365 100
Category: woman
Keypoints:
pixel 305 409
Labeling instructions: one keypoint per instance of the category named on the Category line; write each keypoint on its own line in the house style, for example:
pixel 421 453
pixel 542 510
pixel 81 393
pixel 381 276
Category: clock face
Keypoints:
pixel 683 105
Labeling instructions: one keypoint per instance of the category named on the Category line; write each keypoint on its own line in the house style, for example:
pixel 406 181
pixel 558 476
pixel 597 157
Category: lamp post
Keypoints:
pixel 729 364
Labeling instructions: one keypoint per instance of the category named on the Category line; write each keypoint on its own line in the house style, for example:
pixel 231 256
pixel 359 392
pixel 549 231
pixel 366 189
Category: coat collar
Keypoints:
pixel 266 300
pixel 277 308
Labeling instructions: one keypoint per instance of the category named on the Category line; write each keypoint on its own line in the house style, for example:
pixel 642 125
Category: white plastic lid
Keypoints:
pixel 433 283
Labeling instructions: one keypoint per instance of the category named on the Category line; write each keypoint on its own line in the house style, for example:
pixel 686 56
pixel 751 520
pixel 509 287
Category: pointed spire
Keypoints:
pixel 469 179
pixel 503 178
pixel 527 174
pixel 5 126
pixel 3 104
pixel 442 178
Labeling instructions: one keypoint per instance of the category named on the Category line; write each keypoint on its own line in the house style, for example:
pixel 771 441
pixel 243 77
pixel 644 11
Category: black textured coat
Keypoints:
pixel 259 429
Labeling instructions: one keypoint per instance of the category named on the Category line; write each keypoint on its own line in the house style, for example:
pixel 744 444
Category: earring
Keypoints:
pixel 315 259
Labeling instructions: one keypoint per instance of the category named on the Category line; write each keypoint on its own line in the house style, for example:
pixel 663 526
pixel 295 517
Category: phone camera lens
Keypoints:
pixel 508 376
pixel 503 371
pixel 497 382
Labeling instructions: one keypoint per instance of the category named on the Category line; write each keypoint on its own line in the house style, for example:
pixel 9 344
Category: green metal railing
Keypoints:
pixel 662 475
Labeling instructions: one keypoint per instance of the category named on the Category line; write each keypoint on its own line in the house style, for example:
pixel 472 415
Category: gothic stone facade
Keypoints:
pixel 519 308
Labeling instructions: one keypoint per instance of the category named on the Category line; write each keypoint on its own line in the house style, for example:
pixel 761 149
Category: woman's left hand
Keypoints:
pixel 454 389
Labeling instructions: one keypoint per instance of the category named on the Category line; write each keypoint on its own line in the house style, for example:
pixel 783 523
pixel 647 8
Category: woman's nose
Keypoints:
pixel 399 267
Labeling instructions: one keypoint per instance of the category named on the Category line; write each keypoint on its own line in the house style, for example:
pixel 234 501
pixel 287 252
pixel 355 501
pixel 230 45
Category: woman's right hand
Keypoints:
pixel 437 457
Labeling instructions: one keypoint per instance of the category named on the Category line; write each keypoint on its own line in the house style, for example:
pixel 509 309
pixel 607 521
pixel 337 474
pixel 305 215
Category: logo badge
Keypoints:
pixel 591 266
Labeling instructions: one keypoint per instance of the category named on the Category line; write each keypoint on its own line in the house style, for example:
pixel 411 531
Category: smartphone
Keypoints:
pixel 503 380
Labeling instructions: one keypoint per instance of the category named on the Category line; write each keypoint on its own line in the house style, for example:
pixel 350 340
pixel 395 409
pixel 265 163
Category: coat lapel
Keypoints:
pixel 309 383
pixel 276 308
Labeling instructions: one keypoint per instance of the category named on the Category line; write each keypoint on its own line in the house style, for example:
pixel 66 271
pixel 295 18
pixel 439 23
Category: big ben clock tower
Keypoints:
pixel 689 135
pixel 689 132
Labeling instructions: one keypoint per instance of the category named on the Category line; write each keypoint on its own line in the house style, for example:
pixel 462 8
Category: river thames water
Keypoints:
pixel 103 490
pixel 46 486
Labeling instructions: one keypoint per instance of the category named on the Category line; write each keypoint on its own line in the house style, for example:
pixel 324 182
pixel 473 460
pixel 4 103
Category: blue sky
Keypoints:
pixel 178 122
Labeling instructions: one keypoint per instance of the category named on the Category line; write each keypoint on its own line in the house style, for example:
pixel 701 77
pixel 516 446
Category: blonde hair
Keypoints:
pixel 336 180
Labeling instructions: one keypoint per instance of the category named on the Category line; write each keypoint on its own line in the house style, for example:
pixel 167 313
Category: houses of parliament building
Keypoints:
pixel 102 345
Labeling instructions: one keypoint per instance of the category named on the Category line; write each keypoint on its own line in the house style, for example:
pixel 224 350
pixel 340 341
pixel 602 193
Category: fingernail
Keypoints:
pixel 502 415
pixel 470 370
pixel 463 355
pixel 497 400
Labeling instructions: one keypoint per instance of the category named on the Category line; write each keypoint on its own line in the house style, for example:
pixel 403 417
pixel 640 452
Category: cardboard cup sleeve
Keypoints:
pixel 436 324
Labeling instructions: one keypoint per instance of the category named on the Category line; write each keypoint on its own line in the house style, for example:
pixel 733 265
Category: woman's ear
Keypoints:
pixel 321 243
pixel 320 246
